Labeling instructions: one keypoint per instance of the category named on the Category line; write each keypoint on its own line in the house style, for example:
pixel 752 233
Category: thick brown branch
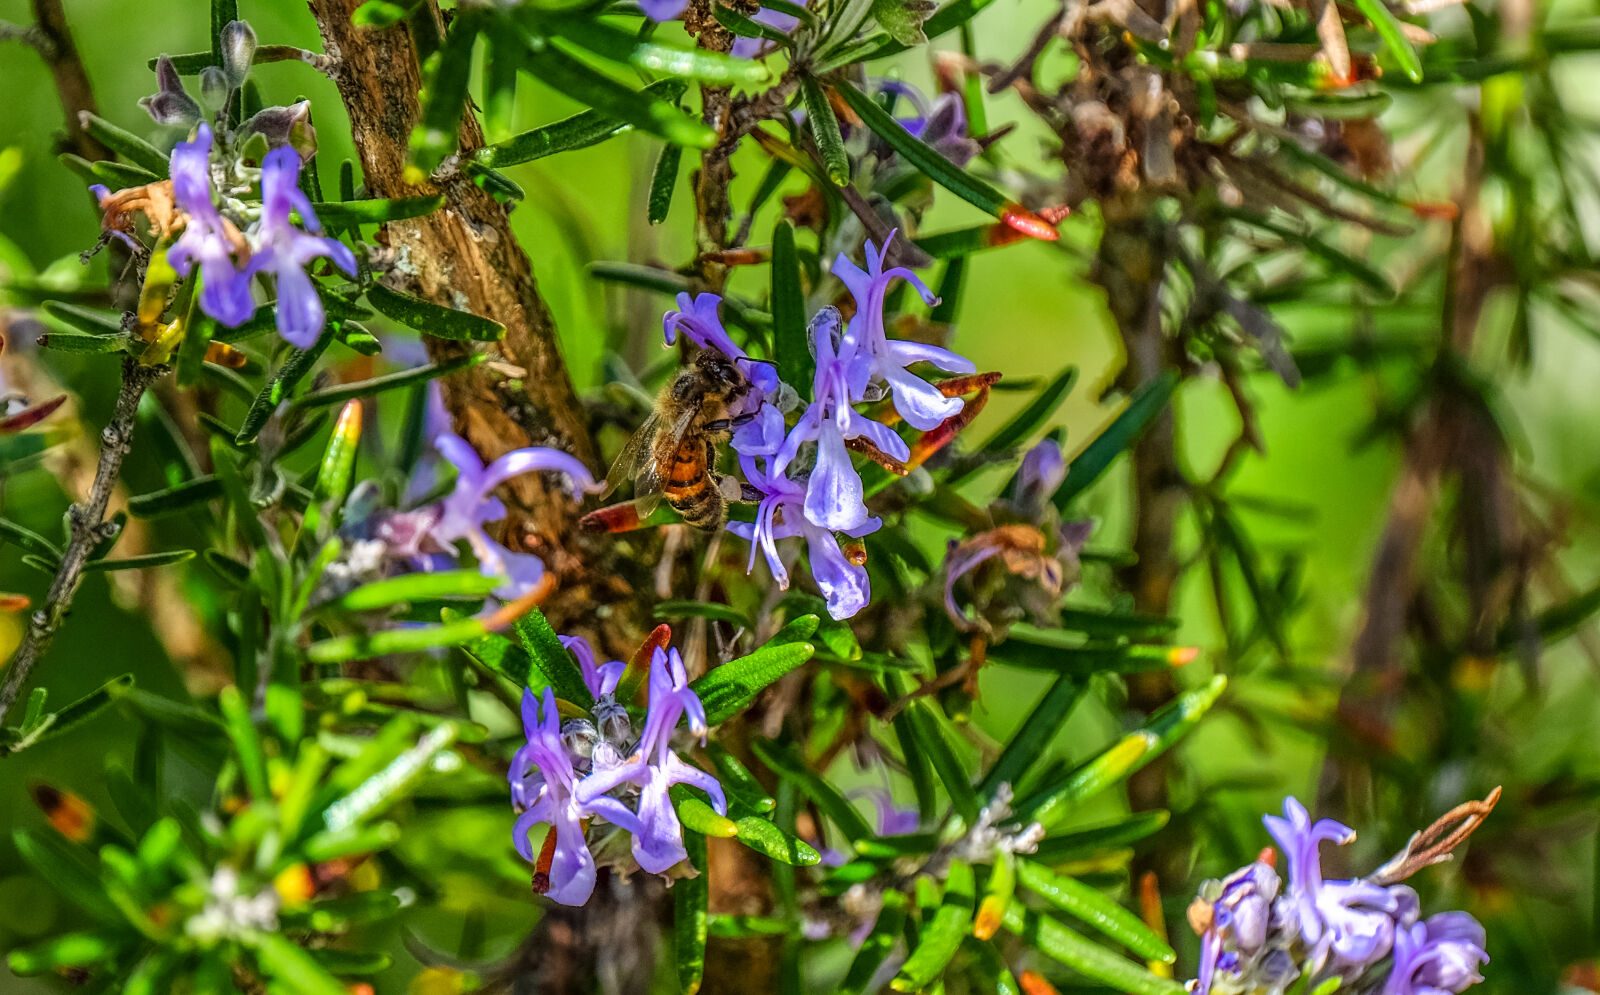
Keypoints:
pixel 465 256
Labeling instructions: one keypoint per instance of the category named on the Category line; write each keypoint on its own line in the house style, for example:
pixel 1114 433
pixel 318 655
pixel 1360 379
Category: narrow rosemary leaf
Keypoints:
pixel 552 659
pixel 650 56
pixel 444 96
pixel 1031 740
pixel 578 131
pixel 412 587
pixel 793 354
pixel 923 157
pixel 1144 404
pixel 825 129
pixel 1394 37
pixel 788 764
pixel 1042 933
pixel 1096 908
pixel 125 143
pixel 643 110
pixel 343 213
pixel 363 647
pixel 689 917
pixel 1025 422
pixel 730 688
pixel 433 319
pixel 278 389
pixel 144 561
pixel 942 933
pixel 389 381
pixel 663 182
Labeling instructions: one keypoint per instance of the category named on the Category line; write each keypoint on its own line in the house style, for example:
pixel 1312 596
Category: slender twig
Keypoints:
pixel 51 37
pixel 88 527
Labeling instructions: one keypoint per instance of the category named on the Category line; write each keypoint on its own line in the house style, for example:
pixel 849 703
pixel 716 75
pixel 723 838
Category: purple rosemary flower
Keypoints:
pixel 919 402
pixel 1437 956
pixel 1261 939
pixel 653 767
pixel 283 250
pixel 1040 475
pixel 1300 839
pixel 835 497
pixel 699 319
pixel 662 10
pixel 464 511
pixel 941 123
pixel 891 819
pixel 1351 921
pixel 600 678
pixel 781 515
pixel 208 240
pixel 544 785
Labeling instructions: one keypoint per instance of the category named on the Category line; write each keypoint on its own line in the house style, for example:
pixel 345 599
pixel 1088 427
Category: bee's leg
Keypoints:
pixel 725 424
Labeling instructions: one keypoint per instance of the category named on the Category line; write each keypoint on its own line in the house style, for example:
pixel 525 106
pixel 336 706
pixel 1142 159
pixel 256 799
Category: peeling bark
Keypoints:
pixel 465 256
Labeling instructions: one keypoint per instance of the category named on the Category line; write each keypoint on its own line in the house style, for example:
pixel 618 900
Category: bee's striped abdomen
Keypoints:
pixel 688 487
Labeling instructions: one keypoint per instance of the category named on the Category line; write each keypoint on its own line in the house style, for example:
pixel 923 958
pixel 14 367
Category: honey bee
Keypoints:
pixel 673 455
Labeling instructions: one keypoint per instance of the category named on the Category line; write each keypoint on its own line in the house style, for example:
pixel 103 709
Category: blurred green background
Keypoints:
pixel 1029 311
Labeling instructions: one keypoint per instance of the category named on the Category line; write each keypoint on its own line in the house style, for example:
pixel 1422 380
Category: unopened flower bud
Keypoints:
pixel 170 104
pixel 612 719
pixel 578 736
pixel 213 89
pixel 238 50
pixel 289 126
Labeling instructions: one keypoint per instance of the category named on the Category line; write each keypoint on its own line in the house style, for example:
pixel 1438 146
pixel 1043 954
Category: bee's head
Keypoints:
pixel 720 375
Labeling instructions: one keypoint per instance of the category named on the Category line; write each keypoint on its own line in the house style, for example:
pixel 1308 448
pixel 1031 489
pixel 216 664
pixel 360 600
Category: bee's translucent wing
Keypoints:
pixel 647 485
pixel 636 448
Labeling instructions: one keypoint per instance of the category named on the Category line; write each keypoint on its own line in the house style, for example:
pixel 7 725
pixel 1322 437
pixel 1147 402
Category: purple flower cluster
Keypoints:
pixel 426 538
pixel 229 259
pixel 588 777
pixel 1256 936
pixel 272 245
pixel 856 362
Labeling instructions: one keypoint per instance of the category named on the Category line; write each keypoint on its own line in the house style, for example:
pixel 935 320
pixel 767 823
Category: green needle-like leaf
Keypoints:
pixel 730 688
pixel 391 381
pixel 663 181
pixel 825 129
pixel 651 56
pixel 1146 402
pixel 1394 37
pixel 344 213
pixel 412 587
pixel 578 131
pixel 689 897
pixel 942 934
pixel 788 764
pixel 433 319
pixel 1093 906
pixel 642 110
pixel 1051 938
pixel 125 143
pixel 280 387
pixel 792 352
